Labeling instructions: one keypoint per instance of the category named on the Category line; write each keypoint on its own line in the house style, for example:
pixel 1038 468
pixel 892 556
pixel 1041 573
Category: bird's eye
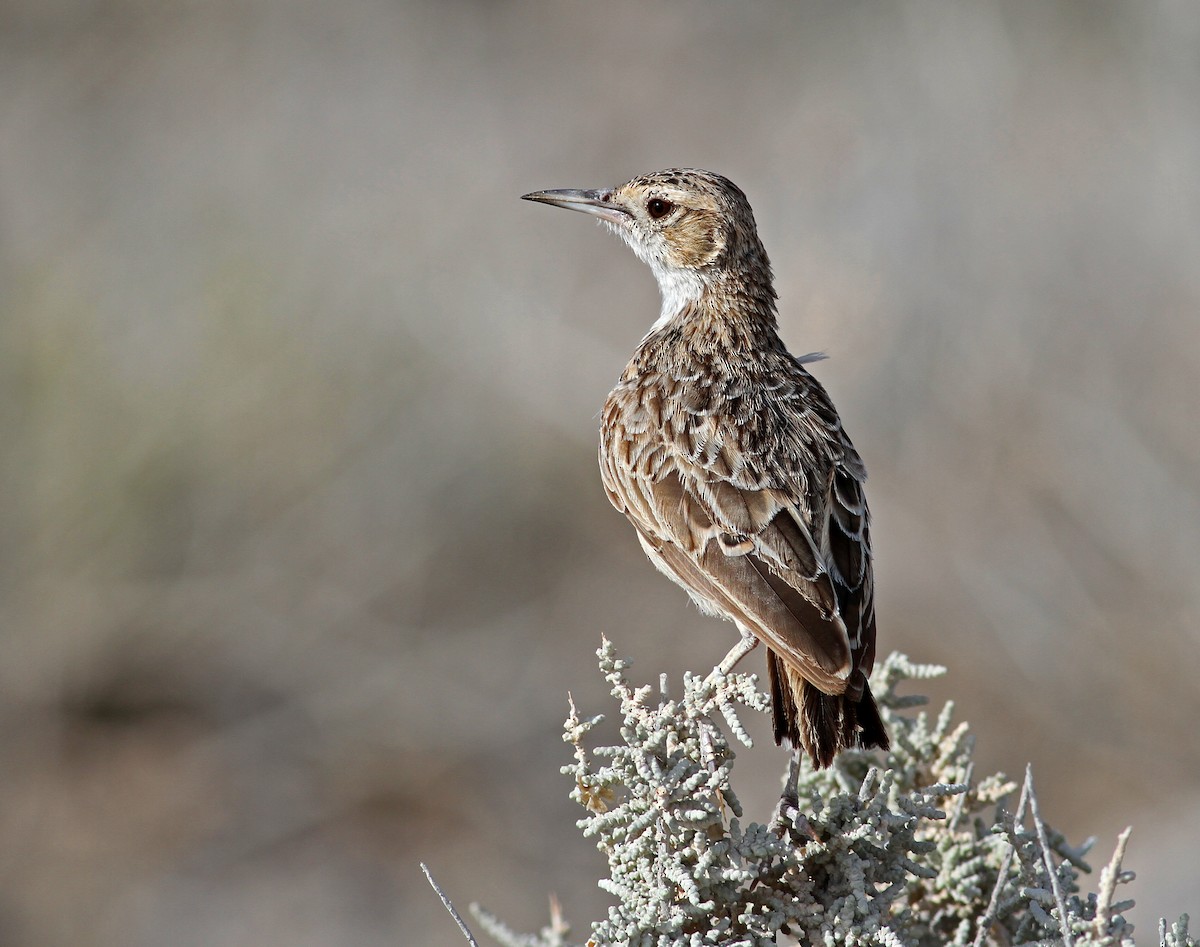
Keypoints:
pixel 658 208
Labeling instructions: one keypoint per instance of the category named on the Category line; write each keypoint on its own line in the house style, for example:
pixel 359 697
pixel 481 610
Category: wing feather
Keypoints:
pixel 755 505
pixel 739 589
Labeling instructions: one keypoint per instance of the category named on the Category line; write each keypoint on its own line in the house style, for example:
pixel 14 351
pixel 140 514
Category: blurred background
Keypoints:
pixel 303 538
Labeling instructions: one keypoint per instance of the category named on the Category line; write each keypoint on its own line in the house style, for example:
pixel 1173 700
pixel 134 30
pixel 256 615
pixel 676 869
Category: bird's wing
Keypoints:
pixel 756 507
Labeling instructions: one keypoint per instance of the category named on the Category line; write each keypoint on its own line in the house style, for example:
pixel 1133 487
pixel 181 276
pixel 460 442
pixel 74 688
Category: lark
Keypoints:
pixel 731 463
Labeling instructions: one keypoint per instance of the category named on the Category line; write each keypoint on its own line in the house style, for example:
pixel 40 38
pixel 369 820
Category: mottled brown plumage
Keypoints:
pixel 731 463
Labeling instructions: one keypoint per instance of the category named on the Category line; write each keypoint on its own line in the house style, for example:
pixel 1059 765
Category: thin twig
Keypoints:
pixel 1109 877
pixel 1068 941
pixel 462 926
pixel 962 799
pixel 993 905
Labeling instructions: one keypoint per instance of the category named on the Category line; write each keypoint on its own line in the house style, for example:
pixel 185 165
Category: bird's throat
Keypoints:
pixel 682 291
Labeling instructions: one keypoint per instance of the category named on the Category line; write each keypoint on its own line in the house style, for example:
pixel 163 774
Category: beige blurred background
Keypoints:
pixel 303 540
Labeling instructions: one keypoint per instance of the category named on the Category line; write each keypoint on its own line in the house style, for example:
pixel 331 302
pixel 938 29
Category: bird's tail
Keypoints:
pixel 823 724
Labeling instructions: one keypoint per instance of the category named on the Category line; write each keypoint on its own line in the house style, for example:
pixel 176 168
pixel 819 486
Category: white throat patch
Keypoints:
pixel 680 289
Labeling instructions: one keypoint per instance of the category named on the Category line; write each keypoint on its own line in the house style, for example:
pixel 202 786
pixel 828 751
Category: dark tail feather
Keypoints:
pixel 821 723
pixel 848 731
pixel 821 732
pixel 783 703
pixel 872 732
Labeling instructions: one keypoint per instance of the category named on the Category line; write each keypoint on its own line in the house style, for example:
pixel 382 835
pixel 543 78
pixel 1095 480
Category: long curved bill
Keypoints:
pixel 586 202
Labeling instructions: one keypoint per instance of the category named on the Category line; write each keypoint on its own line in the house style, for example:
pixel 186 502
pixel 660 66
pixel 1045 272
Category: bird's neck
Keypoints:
pixel 729 308
pixel 703 340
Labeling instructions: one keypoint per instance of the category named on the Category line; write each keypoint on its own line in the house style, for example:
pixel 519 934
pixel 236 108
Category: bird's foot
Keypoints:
pixel 789 822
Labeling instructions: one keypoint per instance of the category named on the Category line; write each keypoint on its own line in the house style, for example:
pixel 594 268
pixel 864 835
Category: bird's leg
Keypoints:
pixel 787 813
pixel 745 645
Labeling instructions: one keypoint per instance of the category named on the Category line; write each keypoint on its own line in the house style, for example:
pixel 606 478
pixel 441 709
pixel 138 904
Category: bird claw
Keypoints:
pixel 789 822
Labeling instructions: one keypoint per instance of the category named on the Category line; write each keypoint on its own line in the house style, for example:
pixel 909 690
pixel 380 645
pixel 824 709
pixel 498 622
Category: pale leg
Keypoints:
pixel 745 645
pixel 787 813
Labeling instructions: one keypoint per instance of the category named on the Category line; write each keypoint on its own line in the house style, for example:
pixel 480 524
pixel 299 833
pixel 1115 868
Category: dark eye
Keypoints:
pixel 657 207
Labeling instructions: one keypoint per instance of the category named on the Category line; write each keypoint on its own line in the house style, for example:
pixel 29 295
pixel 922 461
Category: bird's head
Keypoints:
pixel 694 228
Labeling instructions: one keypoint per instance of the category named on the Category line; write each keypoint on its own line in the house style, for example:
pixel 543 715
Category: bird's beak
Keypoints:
pixel 586 202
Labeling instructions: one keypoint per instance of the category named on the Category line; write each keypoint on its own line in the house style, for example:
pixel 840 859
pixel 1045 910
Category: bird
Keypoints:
pixel 731 462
